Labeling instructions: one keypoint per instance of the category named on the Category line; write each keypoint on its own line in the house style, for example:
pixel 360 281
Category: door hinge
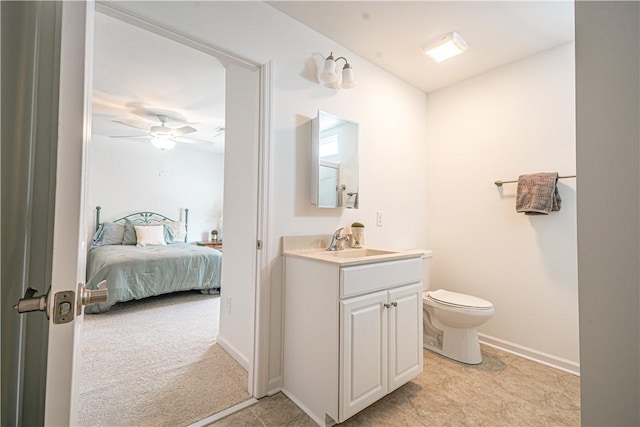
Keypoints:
pixel 259 244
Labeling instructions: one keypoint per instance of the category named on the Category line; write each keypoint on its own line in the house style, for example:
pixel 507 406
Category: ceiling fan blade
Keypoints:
pixel 179 140
pixel 183 130
pixel 131 136
pixel 191 140
pixel 130 125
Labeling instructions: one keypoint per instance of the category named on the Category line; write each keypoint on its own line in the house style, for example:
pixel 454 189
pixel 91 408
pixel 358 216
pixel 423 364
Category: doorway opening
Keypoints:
pixel 165 344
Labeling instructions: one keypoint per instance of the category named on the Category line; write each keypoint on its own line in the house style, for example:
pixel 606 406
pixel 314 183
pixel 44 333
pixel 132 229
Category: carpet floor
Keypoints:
pixel 155 362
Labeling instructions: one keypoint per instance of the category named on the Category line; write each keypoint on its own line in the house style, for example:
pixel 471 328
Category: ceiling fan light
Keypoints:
pixel 447 46
pixel 161 136
pixel 163 143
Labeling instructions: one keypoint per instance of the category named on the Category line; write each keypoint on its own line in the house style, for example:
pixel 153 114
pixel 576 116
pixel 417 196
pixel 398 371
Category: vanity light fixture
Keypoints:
pixel 329 75
pixel 447 46
pixel 162 142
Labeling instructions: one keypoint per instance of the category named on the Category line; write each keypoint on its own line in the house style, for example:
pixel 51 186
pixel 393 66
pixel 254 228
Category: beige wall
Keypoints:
pixel 608 137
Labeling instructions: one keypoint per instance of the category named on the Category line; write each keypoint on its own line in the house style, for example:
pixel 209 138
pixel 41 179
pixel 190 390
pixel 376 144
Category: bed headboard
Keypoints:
pixel 146 218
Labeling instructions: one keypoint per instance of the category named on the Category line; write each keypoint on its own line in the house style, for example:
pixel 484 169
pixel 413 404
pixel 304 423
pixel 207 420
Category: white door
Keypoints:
pixel 69 251
pixel 405 334
pixel 75 20
pixel 363 352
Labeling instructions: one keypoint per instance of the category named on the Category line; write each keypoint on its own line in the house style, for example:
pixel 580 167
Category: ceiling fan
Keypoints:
pixel 162 136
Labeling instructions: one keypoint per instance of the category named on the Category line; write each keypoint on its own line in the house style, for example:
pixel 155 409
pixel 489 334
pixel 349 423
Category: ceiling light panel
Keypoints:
pixel 446 47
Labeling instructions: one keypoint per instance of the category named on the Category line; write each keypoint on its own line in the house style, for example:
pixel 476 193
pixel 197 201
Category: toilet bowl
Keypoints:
pixel 450 320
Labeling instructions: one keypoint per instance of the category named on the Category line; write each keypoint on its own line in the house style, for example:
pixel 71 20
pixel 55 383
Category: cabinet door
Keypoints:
pixel 363 352
pixel 405 334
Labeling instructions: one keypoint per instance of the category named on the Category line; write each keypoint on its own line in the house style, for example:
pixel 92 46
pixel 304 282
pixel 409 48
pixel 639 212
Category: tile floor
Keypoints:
pixel 505 390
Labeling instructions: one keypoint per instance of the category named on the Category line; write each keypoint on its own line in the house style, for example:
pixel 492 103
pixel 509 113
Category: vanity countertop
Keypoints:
pixel 350 256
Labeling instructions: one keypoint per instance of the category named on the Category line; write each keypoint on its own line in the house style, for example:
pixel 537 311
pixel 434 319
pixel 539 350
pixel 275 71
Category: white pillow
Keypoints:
pixel 150 235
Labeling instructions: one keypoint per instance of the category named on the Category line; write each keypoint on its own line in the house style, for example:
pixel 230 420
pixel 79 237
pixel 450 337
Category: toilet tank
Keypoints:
pixel 427 257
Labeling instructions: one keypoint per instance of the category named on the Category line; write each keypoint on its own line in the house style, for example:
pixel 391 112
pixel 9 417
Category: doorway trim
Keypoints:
pixel 263 267
pixel 259 372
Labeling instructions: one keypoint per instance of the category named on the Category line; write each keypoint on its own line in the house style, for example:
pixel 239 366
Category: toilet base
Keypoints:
pixel 461 345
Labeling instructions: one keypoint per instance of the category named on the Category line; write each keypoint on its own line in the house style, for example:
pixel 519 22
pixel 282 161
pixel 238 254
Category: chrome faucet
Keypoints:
pixel 333 246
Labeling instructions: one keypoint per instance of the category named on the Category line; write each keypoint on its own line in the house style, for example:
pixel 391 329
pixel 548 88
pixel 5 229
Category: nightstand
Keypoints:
pixel 214 245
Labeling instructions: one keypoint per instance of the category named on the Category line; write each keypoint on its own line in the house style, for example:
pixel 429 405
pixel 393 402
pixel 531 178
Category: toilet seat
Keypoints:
pixel 454 299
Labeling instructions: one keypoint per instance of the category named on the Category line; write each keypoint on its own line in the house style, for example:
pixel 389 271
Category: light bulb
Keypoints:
pixel 163 143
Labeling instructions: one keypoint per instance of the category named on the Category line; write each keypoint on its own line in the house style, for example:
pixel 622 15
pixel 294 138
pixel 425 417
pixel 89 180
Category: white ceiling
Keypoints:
pixel 138 75
pixel 391 33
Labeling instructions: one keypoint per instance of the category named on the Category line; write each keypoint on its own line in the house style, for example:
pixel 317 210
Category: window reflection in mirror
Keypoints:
pixel 334 162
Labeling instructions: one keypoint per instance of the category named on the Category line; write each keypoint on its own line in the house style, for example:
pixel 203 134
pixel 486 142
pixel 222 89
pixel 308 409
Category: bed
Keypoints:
pixel 146 254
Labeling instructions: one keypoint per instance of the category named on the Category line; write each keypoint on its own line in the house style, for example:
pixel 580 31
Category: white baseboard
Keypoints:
pixel 233 352
pixel 530 354
pixel 275 385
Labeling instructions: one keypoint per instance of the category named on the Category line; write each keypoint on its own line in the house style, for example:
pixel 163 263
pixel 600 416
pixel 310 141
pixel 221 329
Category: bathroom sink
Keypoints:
pixel 314 248
pixel 359 253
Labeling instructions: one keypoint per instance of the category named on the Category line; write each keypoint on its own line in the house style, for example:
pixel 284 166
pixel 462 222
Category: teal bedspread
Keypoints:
pixel 134 272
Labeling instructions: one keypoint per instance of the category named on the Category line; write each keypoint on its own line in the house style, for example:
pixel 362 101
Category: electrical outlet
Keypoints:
pixel 228 304
pixel 379 218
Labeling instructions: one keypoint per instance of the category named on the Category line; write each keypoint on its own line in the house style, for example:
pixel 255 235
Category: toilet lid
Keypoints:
pixel 459 300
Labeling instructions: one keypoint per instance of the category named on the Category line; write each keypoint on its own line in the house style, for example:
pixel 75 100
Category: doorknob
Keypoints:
pixel 31 302
pixel 63 301
pixel 62 304
pixel 94 296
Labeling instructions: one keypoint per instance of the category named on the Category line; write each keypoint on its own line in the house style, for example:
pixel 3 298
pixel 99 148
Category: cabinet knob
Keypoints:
pixel 387 305
pixel 395 304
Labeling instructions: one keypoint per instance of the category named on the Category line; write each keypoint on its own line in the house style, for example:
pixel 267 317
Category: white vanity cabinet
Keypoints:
pixel 380 345
pixel 352 333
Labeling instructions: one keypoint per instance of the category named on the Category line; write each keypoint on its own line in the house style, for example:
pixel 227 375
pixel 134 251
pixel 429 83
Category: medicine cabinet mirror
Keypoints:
pixel 334 162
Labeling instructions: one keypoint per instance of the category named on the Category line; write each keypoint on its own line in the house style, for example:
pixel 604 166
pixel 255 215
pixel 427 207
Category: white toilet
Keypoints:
pixel 450 320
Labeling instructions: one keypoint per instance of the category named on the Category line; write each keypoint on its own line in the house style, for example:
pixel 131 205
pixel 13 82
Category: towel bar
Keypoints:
pixel 499 183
